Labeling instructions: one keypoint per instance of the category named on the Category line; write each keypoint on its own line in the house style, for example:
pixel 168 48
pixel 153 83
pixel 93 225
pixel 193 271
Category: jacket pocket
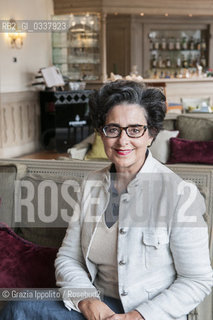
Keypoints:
pixel 159 286
pixel 157 251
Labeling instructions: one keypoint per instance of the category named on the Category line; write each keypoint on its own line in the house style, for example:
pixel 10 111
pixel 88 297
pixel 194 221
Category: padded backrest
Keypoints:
pixel 197 127
pixel 47 203
pixel 9 172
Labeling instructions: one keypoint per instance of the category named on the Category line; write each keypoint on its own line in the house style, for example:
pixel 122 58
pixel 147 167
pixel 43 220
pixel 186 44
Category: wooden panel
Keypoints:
pixel 118 46
pixel 67 6
pixel 182 7
pixel 137 49
pixel 159 7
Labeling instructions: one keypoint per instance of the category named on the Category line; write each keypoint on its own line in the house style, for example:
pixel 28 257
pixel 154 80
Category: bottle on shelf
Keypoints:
pixel 160 62
pixel 168 62
pixel 197 60
pixel 161 75
pixel 171 44
pixel 185 62
pixel 163 44
pixel 177 44
pixel 156 44
pixel 191 44
pixel 154 61
pixel 134 72
pixel 178 62
pixel 184 43
pixel 198 44
pixel 203 61
pixel 203 44
pixel 151 44
pixel 190 61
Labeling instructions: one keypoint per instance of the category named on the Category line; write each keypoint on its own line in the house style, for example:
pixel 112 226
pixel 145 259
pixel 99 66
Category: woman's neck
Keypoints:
pixel 122 179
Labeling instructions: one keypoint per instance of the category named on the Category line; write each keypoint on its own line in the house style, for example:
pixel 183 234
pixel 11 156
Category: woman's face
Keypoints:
pixel 125 152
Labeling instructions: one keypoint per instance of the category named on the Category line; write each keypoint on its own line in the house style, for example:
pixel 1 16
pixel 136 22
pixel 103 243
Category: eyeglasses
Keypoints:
pixel 134 131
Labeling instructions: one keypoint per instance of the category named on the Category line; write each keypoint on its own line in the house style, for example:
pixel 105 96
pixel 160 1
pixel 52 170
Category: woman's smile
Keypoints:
pixel 123 152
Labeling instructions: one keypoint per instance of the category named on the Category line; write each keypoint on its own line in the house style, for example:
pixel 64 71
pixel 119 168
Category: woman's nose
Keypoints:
pixel 123 136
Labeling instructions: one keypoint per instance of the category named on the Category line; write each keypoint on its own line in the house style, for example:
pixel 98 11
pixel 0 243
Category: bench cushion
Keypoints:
pixel 24 264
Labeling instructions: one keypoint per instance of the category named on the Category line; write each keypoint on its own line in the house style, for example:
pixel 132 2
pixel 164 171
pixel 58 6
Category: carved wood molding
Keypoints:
pixel 156 7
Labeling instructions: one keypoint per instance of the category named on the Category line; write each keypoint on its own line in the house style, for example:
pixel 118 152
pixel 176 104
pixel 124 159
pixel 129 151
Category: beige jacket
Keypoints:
pixel 163 258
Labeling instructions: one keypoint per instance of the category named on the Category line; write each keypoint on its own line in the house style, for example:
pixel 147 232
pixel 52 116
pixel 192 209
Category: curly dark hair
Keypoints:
pixel 152 100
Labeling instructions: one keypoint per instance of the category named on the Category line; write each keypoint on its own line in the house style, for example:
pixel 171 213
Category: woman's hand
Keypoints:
pixel 94 309
pixel 132 315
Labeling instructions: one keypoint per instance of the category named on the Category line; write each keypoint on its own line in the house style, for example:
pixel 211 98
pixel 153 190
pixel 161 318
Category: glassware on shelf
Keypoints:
pixel 203 44
pixel 178 62
pixel 176 50
pixel 198 44
pixel 79 47
pixel 151 44
pixel 190 61
pixel 177 44
pixel 191 44
pixel 134 72
pixel 163 44
pixel 156 44
pixel 185 62
pixel 154 61
pixel 168 62
pixel 171 44
pixel 203 61
pixel 160 62
pixel 184 43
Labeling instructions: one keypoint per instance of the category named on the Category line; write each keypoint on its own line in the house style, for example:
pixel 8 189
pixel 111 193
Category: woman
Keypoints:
pixel 145 243
pixel 136 246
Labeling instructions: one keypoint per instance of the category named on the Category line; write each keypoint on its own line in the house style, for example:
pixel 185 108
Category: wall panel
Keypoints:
pixel 20 123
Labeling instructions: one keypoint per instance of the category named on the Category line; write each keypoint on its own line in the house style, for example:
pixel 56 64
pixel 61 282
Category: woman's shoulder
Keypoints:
pixel 163 170
pixel 156 166
pixel 98 176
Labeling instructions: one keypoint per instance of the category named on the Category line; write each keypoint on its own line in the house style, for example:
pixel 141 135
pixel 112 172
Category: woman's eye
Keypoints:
pixel 134 130
pixel 112 130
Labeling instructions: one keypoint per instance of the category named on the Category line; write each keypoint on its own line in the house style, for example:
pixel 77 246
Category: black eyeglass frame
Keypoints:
pixel 145 127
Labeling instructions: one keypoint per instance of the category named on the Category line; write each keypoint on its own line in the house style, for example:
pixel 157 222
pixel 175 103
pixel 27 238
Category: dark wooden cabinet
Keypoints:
pixel 64 118
pixel 118 44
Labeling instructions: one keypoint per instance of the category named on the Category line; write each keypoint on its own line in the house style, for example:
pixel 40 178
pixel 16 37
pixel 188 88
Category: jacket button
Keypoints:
pixel 122 263
pixel 124 293
pixel 122 231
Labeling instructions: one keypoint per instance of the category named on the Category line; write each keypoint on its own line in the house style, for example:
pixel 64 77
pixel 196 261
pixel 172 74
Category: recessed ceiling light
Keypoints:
pixel 166 14
pixel 142 14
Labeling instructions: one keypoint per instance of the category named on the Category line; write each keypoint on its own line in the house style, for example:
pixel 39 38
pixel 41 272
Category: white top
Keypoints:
pixel 103 253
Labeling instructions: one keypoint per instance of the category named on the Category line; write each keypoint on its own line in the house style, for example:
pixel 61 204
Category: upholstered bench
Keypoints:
pixel 35 240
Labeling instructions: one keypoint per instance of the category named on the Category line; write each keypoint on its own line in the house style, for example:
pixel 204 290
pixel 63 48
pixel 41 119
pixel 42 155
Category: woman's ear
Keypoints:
pixel 150 141
pixel 99 132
